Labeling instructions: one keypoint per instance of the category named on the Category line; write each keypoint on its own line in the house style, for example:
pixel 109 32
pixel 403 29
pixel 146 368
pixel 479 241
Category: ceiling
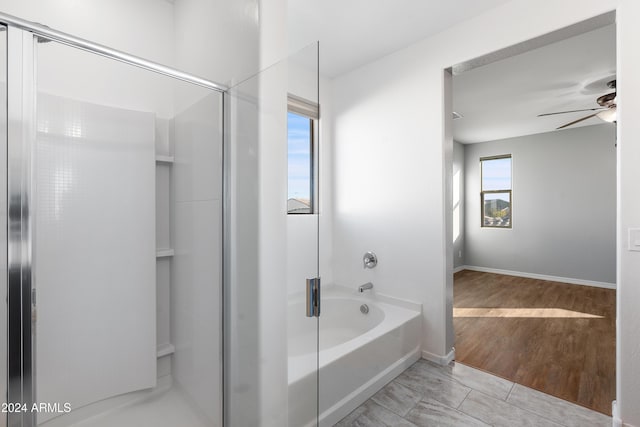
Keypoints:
pixel 502 99
pixel 355 32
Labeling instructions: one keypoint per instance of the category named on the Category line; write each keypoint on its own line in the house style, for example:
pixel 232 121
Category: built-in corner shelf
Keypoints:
pixel 164 253
pixel 164 159
pixel 165 349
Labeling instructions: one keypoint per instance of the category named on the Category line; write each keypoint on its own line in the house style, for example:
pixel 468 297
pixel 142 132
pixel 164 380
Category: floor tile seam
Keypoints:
pixel 513 385
pixel 539 414
pixel 440 401
pixel 392 411
pixel 435 397
pixel 488 374
pixel 471 416
pixel 451 379
pixel 436 378
pixel 397 413
pixel 462 401
pixel 412 388
pixel 456 410
pixel 565 401
pixel 446 376
pixel 406 420
pixel 504 399
pixel 517 406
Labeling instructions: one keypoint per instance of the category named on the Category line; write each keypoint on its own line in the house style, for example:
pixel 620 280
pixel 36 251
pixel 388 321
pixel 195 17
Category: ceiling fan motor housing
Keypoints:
pixel 607 100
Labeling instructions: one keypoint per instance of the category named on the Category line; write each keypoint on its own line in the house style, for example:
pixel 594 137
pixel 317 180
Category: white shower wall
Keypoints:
pixel 196 299
pixel 94 251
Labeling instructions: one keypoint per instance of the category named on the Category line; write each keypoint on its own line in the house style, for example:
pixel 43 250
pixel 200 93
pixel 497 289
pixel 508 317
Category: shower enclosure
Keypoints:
pixel 148 274
pixel 114 220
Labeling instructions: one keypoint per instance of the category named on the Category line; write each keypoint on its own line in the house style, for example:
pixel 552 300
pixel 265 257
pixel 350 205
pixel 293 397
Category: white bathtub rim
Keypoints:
pixel 302 365
pixel 370 295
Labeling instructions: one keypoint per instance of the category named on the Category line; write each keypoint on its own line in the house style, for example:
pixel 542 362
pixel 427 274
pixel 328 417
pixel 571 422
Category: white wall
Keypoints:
pixel 389 172
pixel 628 271
pixel 382 165
pixel 143 28
pixel 217 40
pixel 564 193
pixel 459 202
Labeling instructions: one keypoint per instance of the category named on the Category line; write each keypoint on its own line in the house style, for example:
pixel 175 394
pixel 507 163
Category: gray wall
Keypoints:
pixel 458 205
pixel 564 205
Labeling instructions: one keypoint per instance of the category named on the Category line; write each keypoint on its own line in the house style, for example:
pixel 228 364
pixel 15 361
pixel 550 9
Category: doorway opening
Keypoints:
pixel 534 213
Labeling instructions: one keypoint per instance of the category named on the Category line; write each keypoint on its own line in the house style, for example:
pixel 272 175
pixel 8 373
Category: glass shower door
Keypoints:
pixel 304 209
pixel 273 206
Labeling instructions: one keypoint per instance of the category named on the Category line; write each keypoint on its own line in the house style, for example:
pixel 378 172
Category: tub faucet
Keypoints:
pixel 364 287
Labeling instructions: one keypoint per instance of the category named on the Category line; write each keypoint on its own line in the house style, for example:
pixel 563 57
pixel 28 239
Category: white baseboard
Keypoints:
pixel 616 421
pixel 615 415
pixel 458 269
pixel 440 360
pixel 542 277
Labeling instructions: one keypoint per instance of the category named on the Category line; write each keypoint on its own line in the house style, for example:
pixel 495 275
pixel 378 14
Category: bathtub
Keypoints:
pixel 358 353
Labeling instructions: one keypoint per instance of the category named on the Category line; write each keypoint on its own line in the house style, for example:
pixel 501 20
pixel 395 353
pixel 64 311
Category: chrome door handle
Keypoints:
pixel 313 297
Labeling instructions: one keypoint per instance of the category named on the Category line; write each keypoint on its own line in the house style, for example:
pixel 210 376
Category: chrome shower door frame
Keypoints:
pixel 20 293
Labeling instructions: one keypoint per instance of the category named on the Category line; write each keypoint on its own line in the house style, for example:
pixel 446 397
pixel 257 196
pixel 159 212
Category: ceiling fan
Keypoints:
pixel 606 111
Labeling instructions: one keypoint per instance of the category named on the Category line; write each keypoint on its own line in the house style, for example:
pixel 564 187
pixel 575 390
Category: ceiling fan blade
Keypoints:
pixel 577 121
pixel 571 111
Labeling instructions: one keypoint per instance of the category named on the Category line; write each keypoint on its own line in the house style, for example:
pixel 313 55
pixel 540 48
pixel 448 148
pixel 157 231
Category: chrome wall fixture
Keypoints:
pixel 370 260
pixel 365 287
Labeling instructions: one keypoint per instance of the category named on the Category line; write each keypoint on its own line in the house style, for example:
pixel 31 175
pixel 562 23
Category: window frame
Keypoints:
pixel 311 111
pixel 483 192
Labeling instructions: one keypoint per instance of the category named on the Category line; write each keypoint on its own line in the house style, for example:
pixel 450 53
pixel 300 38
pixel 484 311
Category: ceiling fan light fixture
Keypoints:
pixel 609 115
pixel 607 104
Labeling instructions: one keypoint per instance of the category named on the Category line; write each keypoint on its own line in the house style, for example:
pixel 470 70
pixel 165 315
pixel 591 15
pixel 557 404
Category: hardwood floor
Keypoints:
pixel 553 337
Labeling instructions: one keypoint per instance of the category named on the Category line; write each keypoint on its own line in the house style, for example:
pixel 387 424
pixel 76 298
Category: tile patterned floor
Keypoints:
pixel 457 395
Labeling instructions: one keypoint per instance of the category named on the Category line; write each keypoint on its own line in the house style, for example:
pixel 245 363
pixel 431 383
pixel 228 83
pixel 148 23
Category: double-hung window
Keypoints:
pixel 495 195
